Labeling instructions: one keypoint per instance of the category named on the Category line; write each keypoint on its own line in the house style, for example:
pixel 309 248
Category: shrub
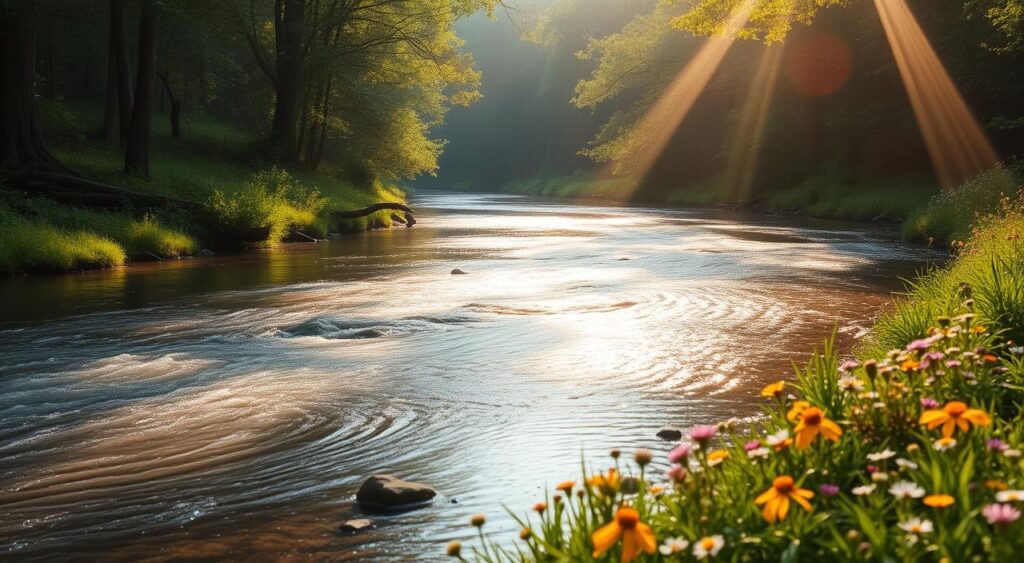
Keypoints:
pixel 271 198
pixel 27 245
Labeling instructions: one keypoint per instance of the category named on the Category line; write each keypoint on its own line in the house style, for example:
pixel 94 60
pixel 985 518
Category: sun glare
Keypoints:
pixel 750 129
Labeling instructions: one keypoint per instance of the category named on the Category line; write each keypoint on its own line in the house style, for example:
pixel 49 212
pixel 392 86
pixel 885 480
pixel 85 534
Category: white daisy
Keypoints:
pixel 916 526
pixel 906 463
pixel 863 490
pixel 1012 452
pixel 879 477
pixel 851 383
pixel 906 490
pixel 708 546
pixel 758 452
pixel 1010 496
pixel 778 439
pixel 882 455
pixel 943 444
pixel 673 545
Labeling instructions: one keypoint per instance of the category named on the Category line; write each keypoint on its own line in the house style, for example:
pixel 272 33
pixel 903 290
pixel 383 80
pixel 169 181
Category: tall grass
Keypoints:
pixel 989 268
pixel 948 216
pixel 271 198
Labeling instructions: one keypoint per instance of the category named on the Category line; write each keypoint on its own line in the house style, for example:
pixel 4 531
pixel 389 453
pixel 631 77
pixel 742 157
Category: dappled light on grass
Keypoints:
pixel 958 148
pixel 655 130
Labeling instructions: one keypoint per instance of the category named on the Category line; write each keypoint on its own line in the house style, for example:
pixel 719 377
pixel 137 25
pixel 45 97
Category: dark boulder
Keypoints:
pixel 670 434
pixel 389 492
pixel 458 272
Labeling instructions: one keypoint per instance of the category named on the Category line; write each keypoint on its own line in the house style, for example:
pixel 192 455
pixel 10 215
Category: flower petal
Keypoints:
pixel 933 418
pixel 831 430
pixel 801 501
pixel 948 427
pixel 977 416
pixel 605 537
pixel 629 547
pixel 766 496
pixel 645 538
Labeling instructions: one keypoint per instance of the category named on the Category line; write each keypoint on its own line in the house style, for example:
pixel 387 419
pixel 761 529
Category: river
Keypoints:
pixel 229 407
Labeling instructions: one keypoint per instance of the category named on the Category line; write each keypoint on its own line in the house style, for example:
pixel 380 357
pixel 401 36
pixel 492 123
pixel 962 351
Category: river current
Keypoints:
pixel 229 407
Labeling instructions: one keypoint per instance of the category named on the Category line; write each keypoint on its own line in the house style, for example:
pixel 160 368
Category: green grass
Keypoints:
pixel 948 216
pixel 35 245
pixel 989 268
pixel 214 163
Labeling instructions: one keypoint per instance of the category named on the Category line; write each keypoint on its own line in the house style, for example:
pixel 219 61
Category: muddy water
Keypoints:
pixel 228 408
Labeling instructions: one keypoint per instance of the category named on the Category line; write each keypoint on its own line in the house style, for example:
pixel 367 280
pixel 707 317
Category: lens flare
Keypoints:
pixel 958 148
pixel 739 175
pixel 650 137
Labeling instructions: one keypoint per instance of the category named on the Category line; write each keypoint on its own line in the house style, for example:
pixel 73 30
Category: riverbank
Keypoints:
pixel 909 450
pixel 244 200
pixel 925 213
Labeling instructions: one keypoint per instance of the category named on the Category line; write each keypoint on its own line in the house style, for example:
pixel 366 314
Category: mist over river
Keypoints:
pixel 229 407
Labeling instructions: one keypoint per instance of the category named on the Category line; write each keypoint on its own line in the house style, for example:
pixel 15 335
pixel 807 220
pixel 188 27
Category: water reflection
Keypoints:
pixel 229 407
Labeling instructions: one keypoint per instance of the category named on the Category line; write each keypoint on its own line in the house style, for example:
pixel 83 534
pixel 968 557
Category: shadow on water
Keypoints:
pixel 229 407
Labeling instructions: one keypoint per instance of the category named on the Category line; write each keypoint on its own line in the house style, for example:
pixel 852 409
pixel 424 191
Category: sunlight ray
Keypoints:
pixel 958 148
pixel 739 174
pixel 654 131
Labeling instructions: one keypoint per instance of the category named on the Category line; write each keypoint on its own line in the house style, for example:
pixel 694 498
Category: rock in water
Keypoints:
pixel 355 526
pixel 670 434
pixel 389 492
pixel 458 272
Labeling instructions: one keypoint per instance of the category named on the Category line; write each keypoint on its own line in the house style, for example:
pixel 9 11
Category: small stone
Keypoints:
pixel 390 492
pixel 670 434
pixel 458 272
pixel 355 526
pixel 206 252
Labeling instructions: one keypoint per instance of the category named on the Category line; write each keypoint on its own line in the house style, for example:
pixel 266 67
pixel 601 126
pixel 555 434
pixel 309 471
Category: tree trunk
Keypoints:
pixel 122 68
pixel 175 106
pixel 136 154
pixel 289 18
pixel 110 130
pixel 22 145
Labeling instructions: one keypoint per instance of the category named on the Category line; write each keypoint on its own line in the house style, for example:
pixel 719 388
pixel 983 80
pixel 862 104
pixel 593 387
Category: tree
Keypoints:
pixel 136 154
pixel 122 68
pixel 22 146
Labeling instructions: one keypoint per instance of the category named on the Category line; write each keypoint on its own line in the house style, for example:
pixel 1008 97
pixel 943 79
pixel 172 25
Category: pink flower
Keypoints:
pixel 996 444
pixel 872 468
pixel 953 363
pixel 702 434
pixel 679 453
pixel 676 473
pixel 929 403
pixel 829 489
pixel 752 445
pixel 849 365
pixel 1000 514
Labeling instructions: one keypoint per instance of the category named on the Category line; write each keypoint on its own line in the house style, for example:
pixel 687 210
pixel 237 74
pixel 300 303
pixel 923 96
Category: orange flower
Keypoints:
pixel 909 365
pixel 565 486
pixel 796 410
pixel 812 422
pixel 607 484
pixel 717 456
pixel 939 501
pixel 636 536
pixel 774 390
pixel 776 499
pixel 954 415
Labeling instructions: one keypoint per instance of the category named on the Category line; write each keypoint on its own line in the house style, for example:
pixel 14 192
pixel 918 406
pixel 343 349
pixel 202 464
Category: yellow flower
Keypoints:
pixel 606 484
pixel 776 499
pixel 717 456
pixel 954 415
pixel 774 389
pixel 939 501
pixel 996 485
pixel 909 365
pixel 636 536
pixel 656 490
pixel 812 422
pixel 565 486
pixel 796 410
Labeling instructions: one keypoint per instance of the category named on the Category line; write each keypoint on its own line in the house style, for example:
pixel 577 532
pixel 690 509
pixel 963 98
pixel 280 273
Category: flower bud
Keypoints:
pixel 871 369
pixel 615 453
pixel 540 507
pixel 477 520
pixel 454 548
pixel 643 456
pixel 525 534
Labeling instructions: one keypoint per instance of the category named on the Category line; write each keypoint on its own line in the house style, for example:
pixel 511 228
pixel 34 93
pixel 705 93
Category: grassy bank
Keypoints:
pixel 927 213
pixel 909 451
pixel 213 164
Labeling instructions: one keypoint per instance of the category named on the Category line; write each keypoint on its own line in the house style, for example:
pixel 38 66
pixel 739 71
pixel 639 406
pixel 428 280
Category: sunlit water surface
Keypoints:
pixel 230 407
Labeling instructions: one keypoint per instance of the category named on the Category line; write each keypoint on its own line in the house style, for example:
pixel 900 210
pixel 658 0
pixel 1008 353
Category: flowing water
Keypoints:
pixel 230 407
